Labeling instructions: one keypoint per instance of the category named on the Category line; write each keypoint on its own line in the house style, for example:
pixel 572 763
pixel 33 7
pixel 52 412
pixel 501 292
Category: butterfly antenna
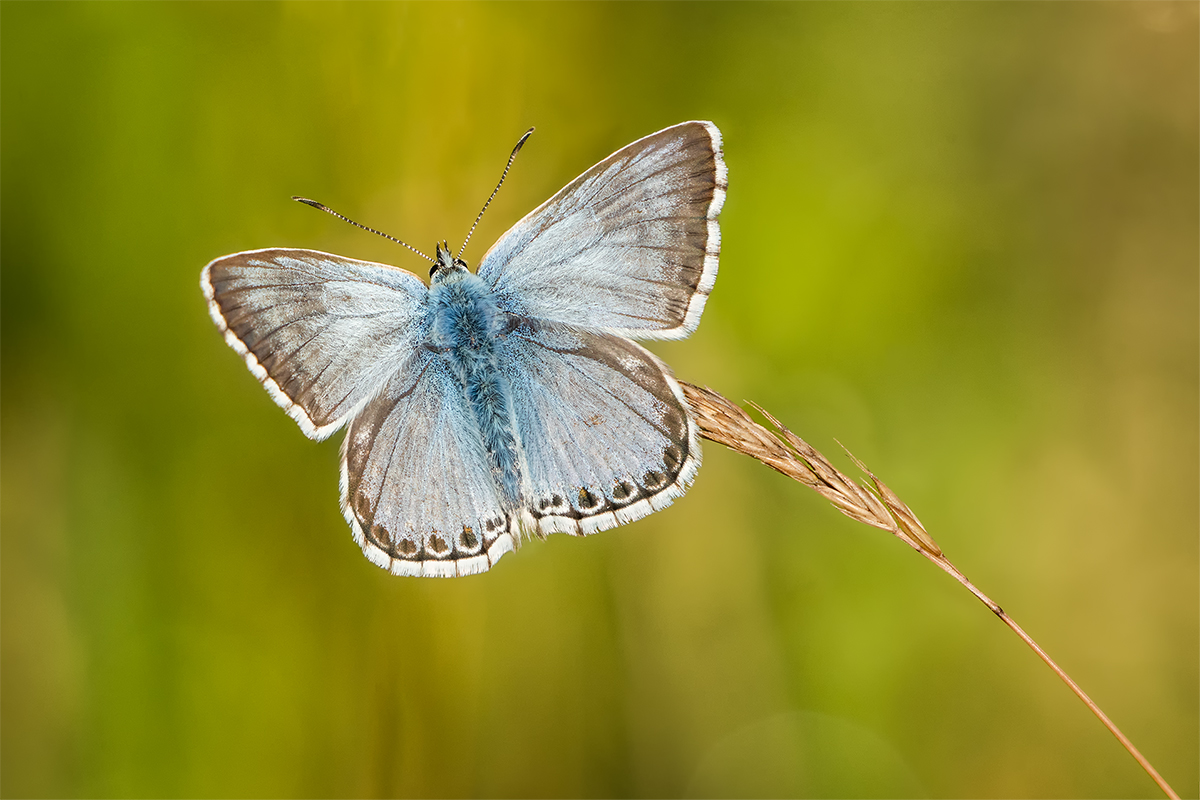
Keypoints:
pixel 504 175
pixel 329 210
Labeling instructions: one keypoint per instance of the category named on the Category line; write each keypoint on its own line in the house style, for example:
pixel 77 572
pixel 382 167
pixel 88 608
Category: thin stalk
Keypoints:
pixel 875 504
pixel 1059 671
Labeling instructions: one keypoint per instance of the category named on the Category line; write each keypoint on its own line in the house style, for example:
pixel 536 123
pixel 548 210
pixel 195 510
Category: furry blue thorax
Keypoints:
pixel 466 323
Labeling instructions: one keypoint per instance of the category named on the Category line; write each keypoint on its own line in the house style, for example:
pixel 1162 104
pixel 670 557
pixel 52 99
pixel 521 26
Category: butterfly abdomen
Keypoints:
pixel 465 325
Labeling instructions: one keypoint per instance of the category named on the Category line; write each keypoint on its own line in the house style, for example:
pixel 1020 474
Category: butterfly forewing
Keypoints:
pixel 629 247
pixel 322 332
pixel 416 486
pixel 607 436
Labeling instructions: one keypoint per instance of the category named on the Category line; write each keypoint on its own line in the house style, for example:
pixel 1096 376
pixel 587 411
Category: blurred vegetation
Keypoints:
pixel 961 238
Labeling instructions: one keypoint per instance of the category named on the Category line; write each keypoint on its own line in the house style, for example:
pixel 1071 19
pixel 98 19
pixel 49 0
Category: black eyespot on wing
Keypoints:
pixel 467 538
pixel 672 457
pixel 362 505
pixel 381 536
pixel 653 479
pixel 623 492
pixel 587 500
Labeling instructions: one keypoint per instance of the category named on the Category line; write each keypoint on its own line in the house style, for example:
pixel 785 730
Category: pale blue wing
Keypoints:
pixel 629 247
pixel 606 432
pixel 417 486
pixel 323 333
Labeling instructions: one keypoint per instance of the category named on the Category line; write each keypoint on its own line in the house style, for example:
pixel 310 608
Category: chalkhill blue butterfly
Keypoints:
pixel 510 401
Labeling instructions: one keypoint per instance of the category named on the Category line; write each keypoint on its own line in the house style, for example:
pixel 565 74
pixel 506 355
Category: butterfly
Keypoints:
pixel 512 400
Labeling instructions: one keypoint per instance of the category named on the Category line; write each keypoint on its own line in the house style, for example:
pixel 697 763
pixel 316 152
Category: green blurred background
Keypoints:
pixel 960 238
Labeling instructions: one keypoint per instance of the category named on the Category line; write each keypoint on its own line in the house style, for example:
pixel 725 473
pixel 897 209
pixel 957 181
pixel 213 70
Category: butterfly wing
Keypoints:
pixel 322 333
pixel 606 433
pixel 629 247
pixel 417 488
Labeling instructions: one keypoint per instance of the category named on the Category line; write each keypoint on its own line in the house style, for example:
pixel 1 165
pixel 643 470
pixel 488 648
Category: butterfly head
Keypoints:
pixel 446 264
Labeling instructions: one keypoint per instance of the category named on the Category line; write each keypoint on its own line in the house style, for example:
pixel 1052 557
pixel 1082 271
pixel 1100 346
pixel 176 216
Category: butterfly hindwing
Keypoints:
pixel 606 433
pixel 629 247
pixel 416 484
pixel 321 332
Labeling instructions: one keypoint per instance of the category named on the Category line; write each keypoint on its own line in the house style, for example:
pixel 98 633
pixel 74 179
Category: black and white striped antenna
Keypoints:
pixel 329 210
pixel 503 175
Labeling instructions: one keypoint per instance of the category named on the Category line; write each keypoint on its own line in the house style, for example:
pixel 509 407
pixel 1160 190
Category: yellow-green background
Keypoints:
pixel 960 238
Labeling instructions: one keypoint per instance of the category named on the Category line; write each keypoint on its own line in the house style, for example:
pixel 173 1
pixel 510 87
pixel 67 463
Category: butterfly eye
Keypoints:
pixel 436 266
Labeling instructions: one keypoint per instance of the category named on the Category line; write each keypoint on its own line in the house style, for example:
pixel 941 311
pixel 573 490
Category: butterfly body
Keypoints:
pixel 465 327
pixel 508 401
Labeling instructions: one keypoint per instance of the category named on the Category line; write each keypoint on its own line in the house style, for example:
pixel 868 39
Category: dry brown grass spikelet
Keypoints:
pixel 878 506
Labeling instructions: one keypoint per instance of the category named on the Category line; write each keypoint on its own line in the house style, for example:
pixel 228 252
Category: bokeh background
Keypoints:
pixel 959 238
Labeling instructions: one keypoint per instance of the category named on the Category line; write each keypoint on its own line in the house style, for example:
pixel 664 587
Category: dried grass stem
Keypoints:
pixel 725 423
